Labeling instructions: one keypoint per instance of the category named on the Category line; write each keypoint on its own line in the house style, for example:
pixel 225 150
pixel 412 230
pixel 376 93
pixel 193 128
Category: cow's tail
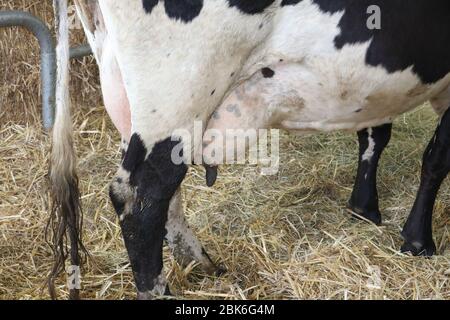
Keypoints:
pixel 63 231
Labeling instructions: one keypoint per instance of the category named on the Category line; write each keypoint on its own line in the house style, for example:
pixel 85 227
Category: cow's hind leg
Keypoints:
pixel 141 193
pixel 182 240
pixel 364 199
pixel 417 231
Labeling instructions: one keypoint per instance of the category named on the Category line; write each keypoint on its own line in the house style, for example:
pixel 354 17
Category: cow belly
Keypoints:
pixel 344 93
pixel 318 95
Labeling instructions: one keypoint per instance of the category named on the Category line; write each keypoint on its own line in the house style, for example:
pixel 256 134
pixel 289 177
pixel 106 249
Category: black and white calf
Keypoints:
pixel 301 65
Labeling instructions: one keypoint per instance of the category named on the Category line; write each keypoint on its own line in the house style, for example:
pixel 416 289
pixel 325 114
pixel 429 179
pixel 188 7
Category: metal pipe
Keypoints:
pixel 48 57
pixel 80 51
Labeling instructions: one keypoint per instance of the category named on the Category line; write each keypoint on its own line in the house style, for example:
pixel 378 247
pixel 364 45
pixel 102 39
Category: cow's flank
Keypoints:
pixel 410 35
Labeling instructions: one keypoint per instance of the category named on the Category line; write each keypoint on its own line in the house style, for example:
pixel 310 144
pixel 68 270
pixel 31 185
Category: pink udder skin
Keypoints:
pixel 114 93
pixel 244 109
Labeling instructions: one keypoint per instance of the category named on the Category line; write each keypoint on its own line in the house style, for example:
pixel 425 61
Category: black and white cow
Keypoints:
pixel 301 65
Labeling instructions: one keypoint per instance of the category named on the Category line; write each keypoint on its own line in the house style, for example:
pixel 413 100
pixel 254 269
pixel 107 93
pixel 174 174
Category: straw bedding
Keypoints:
pixel 281 237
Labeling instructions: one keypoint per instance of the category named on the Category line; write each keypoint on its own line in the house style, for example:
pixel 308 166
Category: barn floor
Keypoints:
pixel 280 237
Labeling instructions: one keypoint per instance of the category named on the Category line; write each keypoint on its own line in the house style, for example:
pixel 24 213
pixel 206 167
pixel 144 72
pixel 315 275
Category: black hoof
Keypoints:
pixel 419 248
pixel 361 214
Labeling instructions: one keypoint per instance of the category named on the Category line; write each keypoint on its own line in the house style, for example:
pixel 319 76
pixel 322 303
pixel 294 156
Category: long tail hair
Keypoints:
pixel 66 218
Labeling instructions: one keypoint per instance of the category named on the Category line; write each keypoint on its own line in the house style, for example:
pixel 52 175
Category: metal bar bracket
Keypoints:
pixel 48 57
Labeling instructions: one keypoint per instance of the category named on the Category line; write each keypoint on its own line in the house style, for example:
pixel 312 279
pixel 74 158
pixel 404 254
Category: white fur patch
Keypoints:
pixel 370 151
pixel 123 191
